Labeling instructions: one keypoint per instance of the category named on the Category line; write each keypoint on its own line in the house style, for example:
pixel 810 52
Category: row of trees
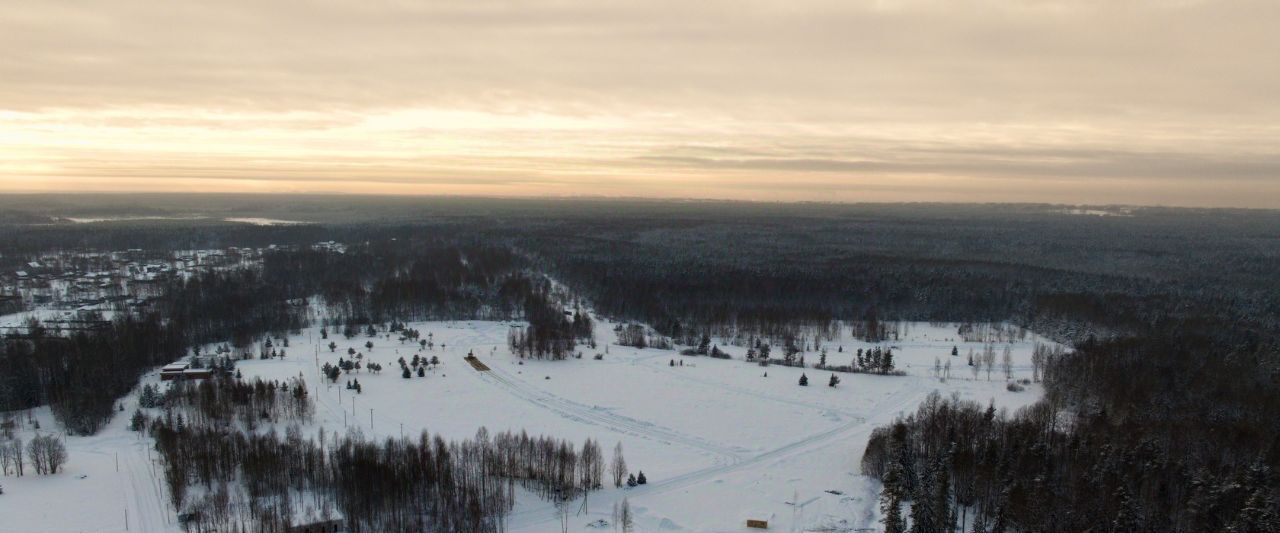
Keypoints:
pixel 423 484
pixel 224 401
pixel 870 361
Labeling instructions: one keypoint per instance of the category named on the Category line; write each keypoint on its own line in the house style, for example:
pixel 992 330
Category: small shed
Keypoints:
pixel 759 520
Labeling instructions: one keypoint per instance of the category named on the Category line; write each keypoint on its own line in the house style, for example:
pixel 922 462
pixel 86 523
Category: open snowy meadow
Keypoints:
pixel 719 440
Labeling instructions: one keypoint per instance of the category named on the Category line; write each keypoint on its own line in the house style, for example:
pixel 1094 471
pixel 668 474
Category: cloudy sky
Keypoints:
pixel 1081 101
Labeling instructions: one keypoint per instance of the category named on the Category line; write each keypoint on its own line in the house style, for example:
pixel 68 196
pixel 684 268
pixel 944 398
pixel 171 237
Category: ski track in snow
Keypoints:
pixel 604 418
pixel 148 510
pixel 733 388
pixel 906 396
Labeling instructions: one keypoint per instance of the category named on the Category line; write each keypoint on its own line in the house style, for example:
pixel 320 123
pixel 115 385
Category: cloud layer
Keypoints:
pixel 1132 101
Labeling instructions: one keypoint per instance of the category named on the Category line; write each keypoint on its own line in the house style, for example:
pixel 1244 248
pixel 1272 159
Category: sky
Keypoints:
pixel 1169 102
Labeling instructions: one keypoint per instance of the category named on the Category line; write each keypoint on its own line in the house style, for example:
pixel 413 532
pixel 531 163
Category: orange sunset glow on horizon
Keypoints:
pixel 1169 102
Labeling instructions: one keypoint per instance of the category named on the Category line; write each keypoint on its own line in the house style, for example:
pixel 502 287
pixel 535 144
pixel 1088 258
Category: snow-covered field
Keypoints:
pixel 718 440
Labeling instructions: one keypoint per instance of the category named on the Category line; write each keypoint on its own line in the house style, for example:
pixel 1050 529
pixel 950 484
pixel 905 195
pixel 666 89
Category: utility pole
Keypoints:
pixel 371 421
pixel 797 509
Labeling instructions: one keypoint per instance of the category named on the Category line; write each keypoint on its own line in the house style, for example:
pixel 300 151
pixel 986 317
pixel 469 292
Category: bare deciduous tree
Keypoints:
pixel 619 467
pixel 47 454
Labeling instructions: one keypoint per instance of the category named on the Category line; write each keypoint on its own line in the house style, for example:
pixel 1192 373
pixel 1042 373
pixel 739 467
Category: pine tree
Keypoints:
pixel 942 510
pixel 923 517
pixel 891 500
pixel 804 380
pixel 138 421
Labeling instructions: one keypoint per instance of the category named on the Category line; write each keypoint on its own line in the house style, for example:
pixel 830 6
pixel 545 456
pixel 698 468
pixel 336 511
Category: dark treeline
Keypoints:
pixel 81 374
pixel 550 333
pixel 1136 434
pixel 225 479
pixel 406 280
pixel 239 305
pixel 767 270
pixel 222 402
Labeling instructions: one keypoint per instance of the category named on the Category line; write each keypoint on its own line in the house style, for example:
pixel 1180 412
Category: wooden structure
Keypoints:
pixel 475 363
pixel 183 371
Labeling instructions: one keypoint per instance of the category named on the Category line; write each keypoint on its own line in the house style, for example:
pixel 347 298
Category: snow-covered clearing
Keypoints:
pixel 718 440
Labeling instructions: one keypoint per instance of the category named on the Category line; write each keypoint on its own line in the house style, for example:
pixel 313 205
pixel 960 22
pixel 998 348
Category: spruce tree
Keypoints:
pixel 942 511
pixel 891 500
